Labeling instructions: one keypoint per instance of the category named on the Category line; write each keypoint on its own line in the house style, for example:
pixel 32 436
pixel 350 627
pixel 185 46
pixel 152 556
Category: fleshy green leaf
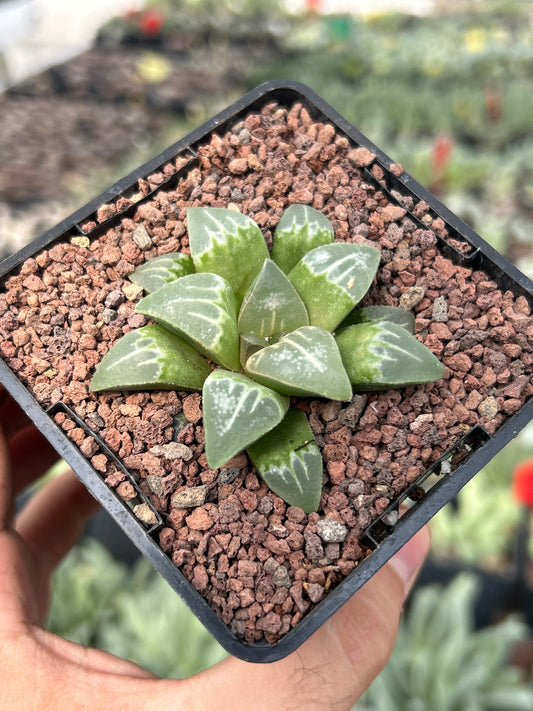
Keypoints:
pixel 300 229
pixel 333 279
pixel 228 243
pixel 201 309
pixel 151 357
pixel 306 362
pixel 250 344
pixel 271 305
pixel 161 270
pixel 392 314
pixel 237 412
pixel 290 462
pixel 382 355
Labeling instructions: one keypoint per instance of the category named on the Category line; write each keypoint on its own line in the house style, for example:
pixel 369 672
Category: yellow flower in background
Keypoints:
pixel 475 40
pixel 153 68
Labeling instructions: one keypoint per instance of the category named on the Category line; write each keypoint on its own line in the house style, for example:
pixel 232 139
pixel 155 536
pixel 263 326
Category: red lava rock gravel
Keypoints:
pixel 261 564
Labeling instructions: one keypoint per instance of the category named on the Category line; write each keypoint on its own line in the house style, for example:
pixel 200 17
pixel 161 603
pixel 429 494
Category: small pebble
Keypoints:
pixel 227 475
pixel 145 514
pixel 331 531
pixel 172 450
pixel 114 299
pixel 412 297
pixel 80 241
pixel 440 310
pixel 141 238
pixel 488 408
pixel 108 315
pixel 281 577
pixel 191 497
pixel 132 291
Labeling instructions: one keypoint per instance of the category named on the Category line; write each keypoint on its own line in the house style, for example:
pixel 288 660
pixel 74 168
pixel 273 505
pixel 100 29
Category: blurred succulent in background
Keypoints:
pixel 128 611
pixel 441 662
pixel 274 326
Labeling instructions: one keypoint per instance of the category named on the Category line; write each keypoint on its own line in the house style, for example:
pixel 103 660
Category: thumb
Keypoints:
pixel 334 666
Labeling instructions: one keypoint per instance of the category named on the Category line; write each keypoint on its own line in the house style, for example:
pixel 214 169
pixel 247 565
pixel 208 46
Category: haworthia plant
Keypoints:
pixel 237 411
pixel 249 344
pixel 332 279
pixel 305 362
pixel 151 357
pixel 272 305
pixel 393 314
pixel 382 355
pixel 161 270
pixel 300 229
pixel 228 243
pixel 290 461
pixel 201 309
pixel 273 319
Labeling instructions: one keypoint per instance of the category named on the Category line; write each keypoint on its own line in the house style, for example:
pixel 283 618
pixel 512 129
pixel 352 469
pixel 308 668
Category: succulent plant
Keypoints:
pixel 272 327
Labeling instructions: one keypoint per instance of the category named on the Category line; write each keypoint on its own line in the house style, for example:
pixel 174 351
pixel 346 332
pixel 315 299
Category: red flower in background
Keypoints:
pixel 440 158
pixel 151 22
pixel 523 483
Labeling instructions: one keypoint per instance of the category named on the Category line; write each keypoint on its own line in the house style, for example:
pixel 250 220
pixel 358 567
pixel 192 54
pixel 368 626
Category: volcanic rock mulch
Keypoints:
pixel 261 564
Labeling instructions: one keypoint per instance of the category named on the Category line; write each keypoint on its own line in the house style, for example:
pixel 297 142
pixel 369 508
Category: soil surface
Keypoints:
pixel 262 565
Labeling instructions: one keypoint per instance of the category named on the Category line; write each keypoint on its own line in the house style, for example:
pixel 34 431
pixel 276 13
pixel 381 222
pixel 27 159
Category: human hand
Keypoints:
pixel 43 671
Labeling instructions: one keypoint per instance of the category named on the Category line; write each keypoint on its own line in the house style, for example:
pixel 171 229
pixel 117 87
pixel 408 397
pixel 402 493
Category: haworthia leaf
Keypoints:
pixel 382 355
pixel 151 357
pixel 228 243
pixel 333 279
pixel 250 344
pixel 237 412
pixel 306 362
pixel 393 314
pixel 271 304
pixel 290 462
pixel 300 229
pixel 161 270
pixel 201 309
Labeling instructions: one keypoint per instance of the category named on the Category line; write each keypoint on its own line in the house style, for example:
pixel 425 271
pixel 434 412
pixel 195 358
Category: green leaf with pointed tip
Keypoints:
pixel 237 412
pixel 333 279
pixel 392 314
pixel 290 462
pixel 300 229
pixel 151 357
pixel 382 355
pixel 201 309
pixel 161 270
pixel 306 362
pixel 250 344
pixel 228 243
pixel 271 304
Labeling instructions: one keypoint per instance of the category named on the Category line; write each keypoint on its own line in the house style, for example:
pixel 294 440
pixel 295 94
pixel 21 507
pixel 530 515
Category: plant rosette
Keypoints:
pixel 273 327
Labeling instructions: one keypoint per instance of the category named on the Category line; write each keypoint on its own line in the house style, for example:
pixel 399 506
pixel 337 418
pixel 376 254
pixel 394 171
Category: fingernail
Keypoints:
pixel 408 560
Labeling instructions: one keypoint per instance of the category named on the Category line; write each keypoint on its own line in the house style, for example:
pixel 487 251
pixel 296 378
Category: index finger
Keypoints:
pixel 25 454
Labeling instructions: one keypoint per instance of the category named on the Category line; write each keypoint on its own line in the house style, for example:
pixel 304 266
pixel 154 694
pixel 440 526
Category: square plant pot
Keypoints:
pixel 252 568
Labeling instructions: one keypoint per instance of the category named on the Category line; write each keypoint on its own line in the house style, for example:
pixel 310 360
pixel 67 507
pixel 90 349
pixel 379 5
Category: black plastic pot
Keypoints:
pixel 427 495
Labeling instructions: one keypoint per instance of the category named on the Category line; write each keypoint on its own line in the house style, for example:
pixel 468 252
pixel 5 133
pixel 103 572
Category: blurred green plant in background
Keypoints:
pixel 407 82
pixel 442 663
pixel 130 612
pixel 482 528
